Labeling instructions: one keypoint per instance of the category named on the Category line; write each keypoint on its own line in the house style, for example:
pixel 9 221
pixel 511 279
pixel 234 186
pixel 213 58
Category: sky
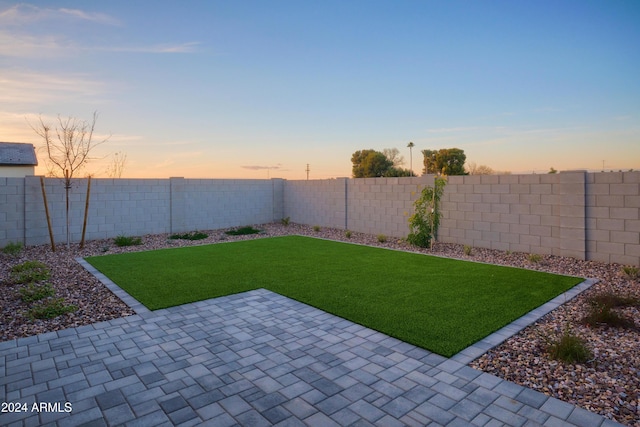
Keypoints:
pixel 261 89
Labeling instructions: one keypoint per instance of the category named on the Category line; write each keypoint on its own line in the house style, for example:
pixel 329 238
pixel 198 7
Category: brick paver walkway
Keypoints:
pixel 255 359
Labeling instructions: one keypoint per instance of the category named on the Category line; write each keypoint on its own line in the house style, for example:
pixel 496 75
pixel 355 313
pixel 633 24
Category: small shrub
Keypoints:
pixel 382 238
pixel 194 235
pixel 28 272
pixel 127 241
pixel 613 300
pixel 347 234
pixel 534 258
pixel 50 308
pixel 12 249
pixel 603 315
pixel 33 292
pixel 468 250
pixel 242 231
pixel 631 272
pixel 569 348
pixel 316 228
pixel 601 310
pixel 424 222
pixel 285 221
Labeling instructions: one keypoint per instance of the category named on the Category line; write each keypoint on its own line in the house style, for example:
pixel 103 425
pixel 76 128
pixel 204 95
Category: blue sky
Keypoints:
pixel 257 89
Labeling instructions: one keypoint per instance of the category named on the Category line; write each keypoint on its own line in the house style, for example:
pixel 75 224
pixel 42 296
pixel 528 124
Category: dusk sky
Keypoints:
pixel 258 89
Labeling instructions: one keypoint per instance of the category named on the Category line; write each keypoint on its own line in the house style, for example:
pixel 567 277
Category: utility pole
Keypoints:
pixel 307 171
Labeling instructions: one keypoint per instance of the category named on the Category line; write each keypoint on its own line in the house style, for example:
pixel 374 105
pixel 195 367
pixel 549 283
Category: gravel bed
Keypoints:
pixel 608 384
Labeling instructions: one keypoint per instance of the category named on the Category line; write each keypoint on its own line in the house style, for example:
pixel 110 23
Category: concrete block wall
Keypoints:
pixel 383 205
pixel 613 219
pixel 542 214
pixel 133 207
pixel 316 202
pixel 11 210
pixel 205 204
pixel 129 207
pixel 592 216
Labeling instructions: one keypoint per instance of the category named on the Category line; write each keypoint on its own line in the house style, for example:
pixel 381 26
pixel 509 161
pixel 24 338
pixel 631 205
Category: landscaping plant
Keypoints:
pixel 424 222
pixel 243 231
pixel 34 292
pixel 631 272
pixel 601 310
pixel 50 308
pixel 568 348
pixel 194 235
pixel 12 249
pixel 127 241
pixel 28 272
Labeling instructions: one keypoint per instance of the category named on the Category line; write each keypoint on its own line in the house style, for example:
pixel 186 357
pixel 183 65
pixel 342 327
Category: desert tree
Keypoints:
pixel 68 145
pixel 446 161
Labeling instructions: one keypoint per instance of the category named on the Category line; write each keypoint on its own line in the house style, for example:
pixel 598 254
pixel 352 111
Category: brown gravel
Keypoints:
pixel 608 384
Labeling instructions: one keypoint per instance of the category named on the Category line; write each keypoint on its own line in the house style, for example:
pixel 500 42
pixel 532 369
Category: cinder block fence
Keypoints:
pixel 593 216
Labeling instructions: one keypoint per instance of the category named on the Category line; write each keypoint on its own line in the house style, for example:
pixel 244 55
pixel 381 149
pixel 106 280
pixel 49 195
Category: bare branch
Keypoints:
pixel 69 150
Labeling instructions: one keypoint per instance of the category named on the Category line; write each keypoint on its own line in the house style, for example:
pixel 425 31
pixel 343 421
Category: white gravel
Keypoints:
pixel 608 384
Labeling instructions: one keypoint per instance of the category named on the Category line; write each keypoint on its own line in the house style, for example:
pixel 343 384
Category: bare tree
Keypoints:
pixel 475 169
pixel 118 163
pixel 393 154
pixel 68 146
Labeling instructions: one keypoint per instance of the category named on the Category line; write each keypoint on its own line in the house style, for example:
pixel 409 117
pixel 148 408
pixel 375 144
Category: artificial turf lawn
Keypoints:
pixel 440 304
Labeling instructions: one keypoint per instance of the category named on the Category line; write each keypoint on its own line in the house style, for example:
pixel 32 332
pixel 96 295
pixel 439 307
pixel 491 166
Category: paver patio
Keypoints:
pixel 257 359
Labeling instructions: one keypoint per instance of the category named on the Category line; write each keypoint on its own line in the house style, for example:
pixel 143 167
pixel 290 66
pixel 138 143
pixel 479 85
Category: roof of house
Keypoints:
pixel 17 154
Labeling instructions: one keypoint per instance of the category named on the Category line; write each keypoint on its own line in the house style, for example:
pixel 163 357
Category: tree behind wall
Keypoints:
pixel 447 161
pixel 370 164
pixel 68 146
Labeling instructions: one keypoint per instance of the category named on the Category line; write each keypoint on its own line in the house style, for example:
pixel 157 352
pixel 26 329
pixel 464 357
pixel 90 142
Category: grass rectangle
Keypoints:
pixel 440 304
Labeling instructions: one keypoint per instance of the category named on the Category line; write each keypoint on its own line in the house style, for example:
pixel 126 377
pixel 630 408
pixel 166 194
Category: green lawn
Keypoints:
pixel 440 304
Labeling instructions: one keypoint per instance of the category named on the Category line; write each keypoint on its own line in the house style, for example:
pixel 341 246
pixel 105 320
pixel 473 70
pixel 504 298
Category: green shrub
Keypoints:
pixel 569 348
pixel 50 308
pixel 33 292
pixel 194 235
pixel 285 221
pixel 468 250
pixel 347 234
pixel 534 258
pixel 28 272
pixel 243 231
pixel 382 238
pixel 631 272
pixel 12 249
pixel 316 228
pixel 424 223
pixel 127 241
